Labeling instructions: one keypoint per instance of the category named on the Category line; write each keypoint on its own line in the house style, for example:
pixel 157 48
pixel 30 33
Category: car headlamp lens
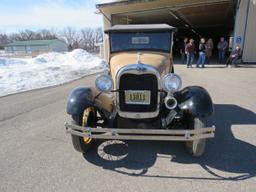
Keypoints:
pixel 104 83
pixel 171 82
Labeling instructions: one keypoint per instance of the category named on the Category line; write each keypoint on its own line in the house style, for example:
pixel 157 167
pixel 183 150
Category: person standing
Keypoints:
pixel 222 47
pixel 182 50
pixel 202 50
pixel 190 50
pixel 209 48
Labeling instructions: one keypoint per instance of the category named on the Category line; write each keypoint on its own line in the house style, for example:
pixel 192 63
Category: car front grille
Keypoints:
pixel 138 82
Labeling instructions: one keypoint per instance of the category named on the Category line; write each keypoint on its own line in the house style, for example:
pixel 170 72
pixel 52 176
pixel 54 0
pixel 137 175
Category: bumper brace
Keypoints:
pixel 141 134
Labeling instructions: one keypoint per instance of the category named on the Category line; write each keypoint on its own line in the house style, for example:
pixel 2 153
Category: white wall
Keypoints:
pixel 106 25
pixel 245 29
pixel 250 34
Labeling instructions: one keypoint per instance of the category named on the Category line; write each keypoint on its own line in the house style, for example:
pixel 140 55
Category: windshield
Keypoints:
pixel 156 41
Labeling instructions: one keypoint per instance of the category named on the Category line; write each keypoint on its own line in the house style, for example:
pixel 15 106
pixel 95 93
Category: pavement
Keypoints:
pixel 37 155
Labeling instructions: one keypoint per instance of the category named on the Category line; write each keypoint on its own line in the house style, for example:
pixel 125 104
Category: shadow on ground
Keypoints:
pixel 225 152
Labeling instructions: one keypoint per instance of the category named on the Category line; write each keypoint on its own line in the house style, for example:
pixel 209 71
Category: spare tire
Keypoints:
pixel 196 147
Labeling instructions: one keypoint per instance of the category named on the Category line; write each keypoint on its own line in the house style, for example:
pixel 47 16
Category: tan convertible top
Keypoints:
pixel 137 28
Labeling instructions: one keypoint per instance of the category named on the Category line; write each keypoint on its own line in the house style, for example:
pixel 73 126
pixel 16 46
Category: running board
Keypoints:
pixel 141 134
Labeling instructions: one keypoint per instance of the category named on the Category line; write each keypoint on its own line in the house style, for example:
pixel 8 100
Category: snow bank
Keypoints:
pixel 49 69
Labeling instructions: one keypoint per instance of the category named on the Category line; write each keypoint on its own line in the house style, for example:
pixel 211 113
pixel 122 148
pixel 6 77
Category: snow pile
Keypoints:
pixel 49 69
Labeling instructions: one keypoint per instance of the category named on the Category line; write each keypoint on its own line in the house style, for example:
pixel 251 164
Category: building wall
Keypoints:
pixel 38 48
pixel 245 29
pixel 19 49
pixel 250 34
pixel 27 49
pixel 16 49
pixel 8 49
pixel 59 46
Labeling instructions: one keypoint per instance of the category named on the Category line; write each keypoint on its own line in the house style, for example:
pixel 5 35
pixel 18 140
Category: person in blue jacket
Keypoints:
pixel 202 55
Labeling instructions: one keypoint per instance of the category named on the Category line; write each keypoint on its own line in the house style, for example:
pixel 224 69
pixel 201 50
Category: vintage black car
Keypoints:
pixel 139 98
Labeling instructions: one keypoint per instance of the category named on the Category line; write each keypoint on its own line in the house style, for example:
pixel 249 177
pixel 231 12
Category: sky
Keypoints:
pixel 17 15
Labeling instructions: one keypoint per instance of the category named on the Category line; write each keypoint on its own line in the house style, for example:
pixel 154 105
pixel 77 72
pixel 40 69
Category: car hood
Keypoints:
pixel 160 61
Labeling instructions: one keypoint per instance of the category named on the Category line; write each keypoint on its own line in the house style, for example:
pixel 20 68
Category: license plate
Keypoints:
pixel 137 97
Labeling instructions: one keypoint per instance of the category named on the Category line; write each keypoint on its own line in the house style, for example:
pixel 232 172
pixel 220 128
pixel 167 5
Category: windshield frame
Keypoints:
pixel 142 49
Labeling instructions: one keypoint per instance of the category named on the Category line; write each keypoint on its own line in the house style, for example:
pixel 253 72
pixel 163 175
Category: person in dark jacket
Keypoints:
pixel 222 48
pixel 190 51
pixel 209 49
pixel 202 50
pixel 182 50
pixel 234 56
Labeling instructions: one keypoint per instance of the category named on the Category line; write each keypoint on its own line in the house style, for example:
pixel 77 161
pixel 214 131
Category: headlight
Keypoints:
pixel 171 82
pixel 104 83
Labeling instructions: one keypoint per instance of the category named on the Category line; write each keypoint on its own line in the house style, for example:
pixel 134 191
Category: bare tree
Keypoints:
pixel 3 40
pixel 90 38
pixel 98 35
pixel 87 38
pixel 27 35
pixel 46 34
pixel 72 37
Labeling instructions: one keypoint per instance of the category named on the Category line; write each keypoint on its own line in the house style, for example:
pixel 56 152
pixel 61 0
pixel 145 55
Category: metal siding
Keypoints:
pixel 245 28
pixel 19 48
pixel 250 35
pixel 31 47
pixel 33 42
pixel 8 49
pixel 240 23
pixel 39 48
pixel 59 46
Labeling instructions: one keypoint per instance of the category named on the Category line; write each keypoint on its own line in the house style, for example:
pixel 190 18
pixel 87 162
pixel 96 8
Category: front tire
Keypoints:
pixel 86 119
pixel 196 147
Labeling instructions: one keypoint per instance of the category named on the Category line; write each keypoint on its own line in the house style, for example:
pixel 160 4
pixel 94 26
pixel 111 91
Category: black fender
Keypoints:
pixel 79 99
pixel 196 101
pixel 83 97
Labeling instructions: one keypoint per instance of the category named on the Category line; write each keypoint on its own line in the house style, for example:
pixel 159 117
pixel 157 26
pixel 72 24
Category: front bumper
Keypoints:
pixel 140 134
